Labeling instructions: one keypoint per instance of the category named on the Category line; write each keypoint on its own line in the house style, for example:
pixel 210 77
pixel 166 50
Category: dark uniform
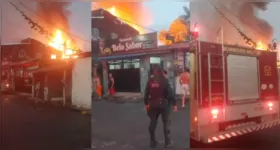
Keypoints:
pixel 159 96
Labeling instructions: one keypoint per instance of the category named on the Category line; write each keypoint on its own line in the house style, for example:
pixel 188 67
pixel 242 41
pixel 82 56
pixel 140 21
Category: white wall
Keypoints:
pixel 81 83
pixel 80 25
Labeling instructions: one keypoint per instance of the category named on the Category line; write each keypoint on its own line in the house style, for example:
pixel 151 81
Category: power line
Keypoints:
pixel 35 13
pixel 125 20
pixel 234 15
pixel 249 41
pixel 34 25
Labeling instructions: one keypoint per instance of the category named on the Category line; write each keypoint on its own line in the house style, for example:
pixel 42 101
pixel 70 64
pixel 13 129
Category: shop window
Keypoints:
pixel 124 64
pixel 111 67
pixel 127 64
pixel 136 65
pixel 115 64
pixel 155 60
pixel 118 66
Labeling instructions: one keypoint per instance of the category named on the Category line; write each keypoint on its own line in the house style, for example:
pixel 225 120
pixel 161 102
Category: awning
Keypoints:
pixel 51 68
pixel 116 57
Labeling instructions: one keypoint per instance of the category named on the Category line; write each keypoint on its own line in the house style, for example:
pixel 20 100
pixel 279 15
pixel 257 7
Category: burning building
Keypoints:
pixel 62 20
pixel 57 48
pixel 136 15
pixel 131 57
pixel 107 27
pixel 24 62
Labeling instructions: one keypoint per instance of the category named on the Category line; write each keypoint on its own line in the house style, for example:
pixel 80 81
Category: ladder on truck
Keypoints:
pixel 211 80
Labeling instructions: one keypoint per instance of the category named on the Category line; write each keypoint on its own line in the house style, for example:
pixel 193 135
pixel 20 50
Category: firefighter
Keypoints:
pixel 159 99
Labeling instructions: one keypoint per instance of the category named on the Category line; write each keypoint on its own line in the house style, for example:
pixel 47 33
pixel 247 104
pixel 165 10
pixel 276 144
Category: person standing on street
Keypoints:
pixel 111 85
pixel 158 99
pixel 185 81
pixel 98 86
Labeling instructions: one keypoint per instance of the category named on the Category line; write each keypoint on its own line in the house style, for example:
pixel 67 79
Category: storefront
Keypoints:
pixel 126 73
pixel 131 67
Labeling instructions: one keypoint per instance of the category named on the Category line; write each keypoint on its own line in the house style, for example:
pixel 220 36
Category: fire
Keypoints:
pixel 178 30
pixel 136 15
pixel 260 46
pixel 124 16
pixel 60 43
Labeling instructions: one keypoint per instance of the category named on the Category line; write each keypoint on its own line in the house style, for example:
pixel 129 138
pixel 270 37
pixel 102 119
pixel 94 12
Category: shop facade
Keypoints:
pixel 131 62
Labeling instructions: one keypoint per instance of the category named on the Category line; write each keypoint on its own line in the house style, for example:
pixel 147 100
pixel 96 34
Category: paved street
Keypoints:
pixel 51 127
pixel 125 126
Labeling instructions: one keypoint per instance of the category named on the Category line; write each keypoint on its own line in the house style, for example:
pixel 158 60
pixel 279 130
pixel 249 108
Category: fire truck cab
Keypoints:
pixel 234 91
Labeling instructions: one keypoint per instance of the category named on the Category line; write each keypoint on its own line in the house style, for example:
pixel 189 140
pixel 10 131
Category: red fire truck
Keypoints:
pixel 234 91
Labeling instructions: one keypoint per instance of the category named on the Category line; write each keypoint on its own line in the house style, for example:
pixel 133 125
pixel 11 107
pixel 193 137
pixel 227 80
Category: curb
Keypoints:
pixel 120 100
pixel 85 112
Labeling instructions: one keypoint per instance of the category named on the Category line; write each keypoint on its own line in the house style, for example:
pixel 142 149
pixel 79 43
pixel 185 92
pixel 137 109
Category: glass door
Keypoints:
pixel 153 62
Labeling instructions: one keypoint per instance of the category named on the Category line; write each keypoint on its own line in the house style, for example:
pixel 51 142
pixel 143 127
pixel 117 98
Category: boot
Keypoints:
pixel 153 143
pixel 168 145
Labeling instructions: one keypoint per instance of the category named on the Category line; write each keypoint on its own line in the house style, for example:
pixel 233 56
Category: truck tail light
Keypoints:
pixel 215 113
pixel 270 105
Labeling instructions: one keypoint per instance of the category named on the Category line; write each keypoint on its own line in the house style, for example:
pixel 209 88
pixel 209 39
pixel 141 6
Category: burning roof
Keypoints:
pixel 135 15
pixel 109 19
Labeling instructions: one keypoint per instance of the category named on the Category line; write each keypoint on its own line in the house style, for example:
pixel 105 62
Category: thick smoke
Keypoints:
pixel 55 14
pixel 248 16
pixel 243 14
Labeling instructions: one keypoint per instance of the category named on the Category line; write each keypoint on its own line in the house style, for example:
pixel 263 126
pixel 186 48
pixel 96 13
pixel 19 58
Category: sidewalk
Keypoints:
pixel 53 103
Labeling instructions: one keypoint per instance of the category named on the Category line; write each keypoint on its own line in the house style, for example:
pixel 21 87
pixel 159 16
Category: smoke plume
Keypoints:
pixel 55 14
pixel 248 16
pixel 243 14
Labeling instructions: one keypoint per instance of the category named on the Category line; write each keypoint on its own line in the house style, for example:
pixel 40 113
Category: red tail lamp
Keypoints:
pixel 215 113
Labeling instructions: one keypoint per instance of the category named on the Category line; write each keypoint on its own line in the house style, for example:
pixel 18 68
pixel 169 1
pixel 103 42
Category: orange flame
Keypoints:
pixel 57 42
pixel 60 43
pixel 260 46
pixel 178 30
pixel 136 15
pixel 121 15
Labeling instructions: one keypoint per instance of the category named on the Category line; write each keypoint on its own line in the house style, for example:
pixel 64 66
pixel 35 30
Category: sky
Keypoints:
pixel 16 28
pixel 272 16
pixel 164 12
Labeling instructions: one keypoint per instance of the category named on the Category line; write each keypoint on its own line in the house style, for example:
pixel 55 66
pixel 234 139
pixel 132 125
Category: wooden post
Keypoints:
pixel 64 87
pixel 33 85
